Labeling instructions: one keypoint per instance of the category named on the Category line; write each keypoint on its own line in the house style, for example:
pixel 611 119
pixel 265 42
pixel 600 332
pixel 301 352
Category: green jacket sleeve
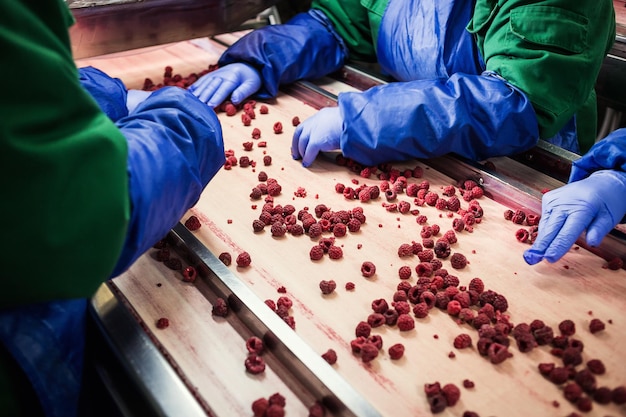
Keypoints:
pixel 352 22
pixel 63 181
pixel 552 50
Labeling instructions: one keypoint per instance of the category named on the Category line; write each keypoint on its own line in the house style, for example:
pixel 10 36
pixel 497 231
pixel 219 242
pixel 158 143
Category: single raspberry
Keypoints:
pixel 162 323
pixel 330 356
pixel 405 322
pixel 327 287
pixel 225 258
pixel 396 351
pixel 368 269
pixel 363 329
pixel 335 252
pixel 369 352
pixel 256 133
pixel 230 109
pixel 295 121
pixel 220 308
pixel 458 261
pixel 596 325
pixel 404 272
pixel 255 364
pixel 192 223
pixel 259 407
pixel 263 109
pixel 189 274
pixel 463 341
pixel 278 128
pixel 243 259
pixel 452 393
pixel 254 345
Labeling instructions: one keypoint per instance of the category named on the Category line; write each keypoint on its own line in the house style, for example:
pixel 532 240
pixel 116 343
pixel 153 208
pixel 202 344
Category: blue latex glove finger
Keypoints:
pixel 595 204
pixel 239 81
pixel 319 133
pixel 134 97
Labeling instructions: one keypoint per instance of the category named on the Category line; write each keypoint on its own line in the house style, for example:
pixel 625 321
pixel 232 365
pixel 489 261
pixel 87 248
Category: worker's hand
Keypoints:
pixel 239 81
pixel 319 133
pixel 595 204
pixel 134 97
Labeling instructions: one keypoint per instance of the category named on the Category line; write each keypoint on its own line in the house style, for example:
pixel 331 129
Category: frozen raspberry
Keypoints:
pixel 327 287
pixel 596 325
pixel 220 308
pixel 259 407
pixel 405 322
pixel 225 258
pixel 263 109
pixel 363 329
pixel 619 395
pixel 368 269
pixel 458 261
pixel 230 109
pixel 244 162
pixel 278 128
pixel 255 364
pixel 462 341
pixel 452 393
pixel 295 121
pixel 189 274
pixel 349 286
pixel 615 264
pixel 330 356
pixel 256 133
pixel 396 351
pixel 162 323
pixel 243 259
pixel 254 345
pixel 192 223
pixel 335 252
pixel 369 352
pixel 404 272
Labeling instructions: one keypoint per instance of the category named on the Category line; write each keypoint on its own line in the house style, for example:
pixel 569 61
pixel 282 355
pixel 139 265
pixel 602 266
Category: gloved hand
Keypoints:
pixel 595 204
pixel 175 147
pixel 239 81
pixel 134 97
pixel 320 132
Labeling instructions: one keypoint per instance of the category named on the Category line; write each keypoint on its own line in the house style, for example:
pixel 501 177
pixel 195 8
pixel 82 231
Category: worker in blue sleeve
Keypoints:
pixel 477 78
pixel 87 186
pixel 593 201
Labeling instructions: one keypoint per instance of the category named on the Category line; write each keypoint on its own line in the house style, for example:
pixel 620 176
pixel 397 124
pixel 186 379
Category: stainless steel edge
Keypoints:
pixel 149 371
pixel 306 372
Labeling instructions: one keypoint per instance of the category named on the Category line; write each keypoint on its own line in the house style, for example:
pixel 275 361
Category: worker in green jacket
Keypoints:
pixel 477 78
pixel 87 186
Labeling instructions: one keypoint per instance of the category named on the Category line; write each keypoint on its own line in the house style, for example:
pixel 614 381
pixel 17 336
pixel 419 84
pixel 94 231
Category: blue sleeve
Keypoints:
pixel 608 153
pixel 175 147
pixel 475 116
pixel 109 93
pixel 306 47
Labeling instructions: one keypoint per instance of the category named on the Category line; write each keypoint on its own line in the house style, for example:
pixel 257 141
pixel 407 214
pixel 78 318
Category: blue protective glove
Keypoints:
pixel 175 147
pixel 239 81
pixel 134 97
pixel 306 47
pixel 595 204
pixel 319 133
